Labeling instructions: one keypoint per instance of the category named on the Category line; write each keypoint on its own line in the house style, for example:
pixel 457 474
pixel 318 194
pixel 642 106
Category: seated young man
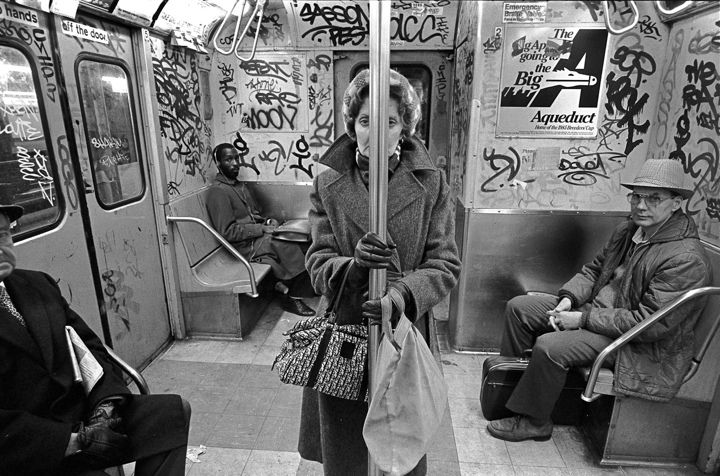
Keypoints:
pixel 235 215
pixel 649 261
pixel 49 425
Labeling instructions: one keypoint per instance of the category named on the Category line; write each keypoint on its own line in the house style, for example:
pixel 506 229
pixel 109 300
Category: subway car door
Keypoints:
pixel 36 167
pixel 101 81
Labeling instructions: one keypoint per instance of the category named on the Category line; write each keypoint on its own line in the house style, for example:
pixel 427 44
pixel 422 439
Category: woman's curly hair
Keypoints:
pixel 400 89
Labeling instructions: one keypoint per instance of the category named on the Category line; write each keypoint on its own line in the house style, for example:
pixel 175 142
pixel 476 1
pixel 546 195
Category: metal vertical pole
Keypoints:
pixel 379 97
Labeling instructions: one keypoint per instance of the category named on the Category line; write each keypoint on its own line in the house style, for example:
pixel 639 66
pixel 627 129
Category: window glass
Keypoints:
pixel 420 79
pixel 116 168
pixel 27 173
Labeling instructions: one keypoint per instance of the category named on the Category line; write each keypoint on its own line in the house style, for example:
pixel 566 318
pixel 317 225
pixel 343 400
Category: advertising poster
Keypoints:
pixel 551 81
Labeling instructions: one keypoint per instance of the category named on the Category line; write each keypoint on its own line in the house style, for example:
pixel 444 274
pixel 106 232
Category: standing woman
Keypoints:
pixel 420 255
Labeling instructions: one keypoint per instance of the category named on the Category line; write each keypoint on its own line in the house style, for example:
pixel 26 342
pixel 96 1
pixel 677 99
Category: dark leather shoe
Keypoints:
pixel 519 428
pixel 297 306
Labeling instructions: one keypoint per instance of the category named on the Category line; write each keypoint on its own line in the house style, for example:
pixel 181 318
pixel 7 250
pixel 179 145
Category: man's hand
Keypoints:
pixel 99 446
pixel 73 445
pixel 564 305
pixel 269 225
pixel 269 229
pixel 565 320
pixel 106 414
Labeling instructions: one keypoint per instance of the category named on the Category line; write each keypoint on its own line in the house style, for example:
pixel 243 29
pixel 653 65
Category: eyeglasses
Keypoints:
pixel 651 200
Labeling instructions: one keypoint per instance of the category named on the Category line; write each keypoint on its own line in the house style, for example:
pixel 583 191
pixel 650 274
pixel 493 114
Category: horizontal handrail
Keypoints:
pixel 136 376
pixel 620 31
pixel 226 245
pixel 589 393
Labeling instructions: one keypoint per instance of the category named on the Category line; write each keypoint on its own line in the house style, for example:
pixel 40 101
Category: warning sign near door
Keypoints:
pixel 85 32
pixel 551 81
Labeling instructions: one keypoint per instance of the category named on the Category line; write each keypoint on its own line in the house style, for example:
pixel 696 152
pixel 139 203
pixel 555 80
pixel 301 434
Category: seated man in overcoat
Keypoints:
pixel 50 422
pixel 235 215
pixel 650 260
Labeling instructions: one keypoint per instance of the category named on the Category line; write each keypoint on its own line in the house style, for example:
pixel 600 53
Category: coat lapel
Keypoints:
pixel 40 325
pixel 403 189
pixel 17 336
pixel 349 184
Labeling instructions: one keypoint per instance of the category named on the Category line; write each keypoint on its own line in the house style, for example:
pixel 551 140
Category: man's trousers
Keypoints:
pixel 527 326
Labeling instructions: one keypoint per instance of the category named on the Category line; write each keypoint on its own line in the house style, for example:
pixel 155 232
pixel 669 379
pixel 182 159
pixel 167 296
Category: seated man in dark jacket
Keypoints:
pixel 50 424
pixel 235 215
pixel 649 261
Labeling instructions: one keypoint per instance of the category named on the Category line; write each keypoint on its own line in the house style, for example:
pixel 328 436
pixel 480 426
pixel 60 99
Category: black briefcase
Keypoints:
pixel 501 374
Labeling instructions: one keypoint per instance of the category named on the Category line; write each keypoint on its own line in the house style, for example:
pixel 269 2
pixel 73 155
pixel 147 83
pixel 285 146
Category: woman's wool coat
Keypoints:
pixel 420 221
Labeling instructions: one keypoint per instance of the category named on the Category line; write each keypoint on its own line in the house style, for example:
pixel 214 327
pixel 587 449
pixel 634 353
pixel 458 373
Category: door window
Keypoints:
pixel 28 176
pixel 110 131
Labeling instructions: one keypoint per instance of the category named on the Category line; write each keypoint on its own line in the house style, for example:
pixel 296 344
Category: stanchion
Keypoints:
pixel 377 186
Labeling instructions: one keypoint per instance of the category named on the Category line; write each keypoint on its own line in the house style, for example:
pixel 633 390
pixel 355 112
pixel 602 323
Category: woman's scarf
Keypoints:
pixel 363 163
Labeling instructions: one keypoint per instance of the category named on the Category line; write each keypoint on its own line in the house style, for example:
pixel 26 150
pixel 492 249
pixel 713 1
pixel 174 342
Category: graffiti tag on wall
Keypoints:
pixel 121 262
pixel 461 96
pixel 186 137
pixel 422 24
pixel 272 89
pixel 578 174
pixel 278 112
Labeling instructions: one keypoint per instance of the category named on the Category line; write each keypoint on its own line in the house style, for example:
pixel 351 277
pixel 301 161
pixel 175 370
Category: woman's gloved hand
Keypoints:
pixel 372 309
pixel 372 253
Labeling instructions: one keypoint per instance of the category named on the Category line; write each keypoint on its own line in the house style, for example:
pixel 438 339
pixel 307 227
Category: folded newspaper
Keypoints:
pixel 86 368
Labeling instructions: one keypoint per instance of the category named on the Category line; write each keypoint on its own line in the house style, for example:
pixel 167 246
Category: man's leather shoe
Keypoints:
pixel 297 306
pixel 519 428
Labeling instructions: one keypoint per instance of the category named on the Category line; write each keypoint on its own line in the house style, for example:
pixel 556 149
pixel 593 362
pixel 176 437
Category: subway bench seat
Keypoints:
pixel 219 288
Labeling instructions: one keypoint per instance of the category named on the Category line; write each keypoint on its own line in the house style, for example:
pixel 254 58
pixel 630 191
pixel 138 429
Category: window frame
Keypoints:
pixel 25 51
pixel 133 113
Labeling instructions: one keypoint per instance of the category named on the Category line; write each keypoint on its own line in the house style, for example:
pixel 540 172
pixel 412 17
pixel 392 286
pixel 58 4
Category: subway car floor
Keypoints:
pixel 245 422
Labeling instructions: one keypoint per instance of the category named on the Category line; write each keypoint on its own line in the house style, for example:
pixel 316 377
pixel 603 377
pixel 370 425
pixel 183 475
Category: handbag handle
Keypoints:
pixel 335 303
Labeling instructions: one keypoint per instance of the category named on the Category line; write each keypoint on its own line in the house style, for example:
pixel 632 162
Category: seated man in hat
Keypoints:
pixel 234 214
pixel 651 259
pixel 52 424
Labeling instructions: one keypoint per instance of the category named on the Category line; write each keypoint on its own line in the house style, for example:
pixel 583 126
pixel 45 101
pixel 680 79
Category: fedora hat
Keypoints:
pixel 13 212
pixel 662 173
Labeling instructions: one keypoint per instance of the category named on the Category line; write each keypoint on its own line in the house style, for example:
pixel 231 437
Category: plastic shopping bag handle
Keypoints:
pixel 392 296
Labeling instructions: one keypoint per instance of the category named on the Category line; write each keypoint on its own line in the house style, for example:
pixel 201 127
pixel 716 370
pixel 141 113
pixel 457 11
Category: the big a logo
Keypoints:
pixel 582 69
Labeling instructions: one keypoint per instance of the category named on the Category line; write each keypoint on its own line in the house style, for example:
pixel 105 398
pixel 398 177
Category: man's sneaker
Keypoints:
pixel 519 428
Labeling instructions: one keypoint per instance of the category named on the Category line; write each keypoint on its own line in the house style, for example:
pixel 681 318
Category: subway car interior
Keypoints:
pixel 111 110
